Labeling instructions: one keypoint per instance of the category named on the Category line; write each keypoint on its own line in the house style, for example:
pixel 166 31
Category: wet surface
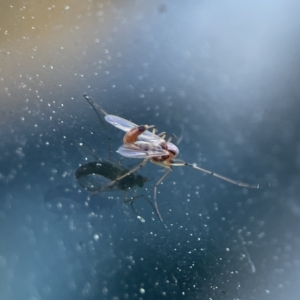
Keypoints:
pixel 222 77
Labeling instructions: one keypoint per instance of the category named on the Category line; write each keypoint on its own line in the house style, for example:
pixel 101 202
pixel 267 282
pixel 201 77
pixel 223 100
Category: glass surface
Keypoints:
pixel 223 77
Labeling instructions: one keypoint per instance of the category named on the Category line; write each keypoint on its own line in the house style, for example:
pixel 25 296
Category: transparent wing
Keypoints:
pixel 120 123
pixel 126 125
pixel 141 149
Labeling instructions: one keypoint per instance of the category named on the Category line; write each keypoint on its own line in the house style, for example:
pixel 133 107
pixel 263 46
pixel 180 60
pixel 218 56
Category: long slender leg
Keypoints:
pixel 132 199
pixel 126 174
pixel 239 183
pixel 155 193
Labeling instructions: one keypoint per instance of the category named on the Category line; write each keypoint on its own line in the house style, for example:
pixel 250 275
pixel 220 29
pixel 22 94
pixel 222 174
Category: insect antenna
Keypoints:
pixel 239 183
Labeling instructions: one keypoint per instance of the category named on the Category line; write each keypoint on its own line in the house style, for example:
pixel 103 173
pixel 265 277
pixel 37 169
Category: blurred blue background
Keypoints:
pixel 224 75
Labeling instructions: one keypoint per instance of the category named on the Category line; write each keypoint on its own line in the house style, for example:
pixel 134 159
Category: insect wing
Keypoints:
pixel 120 123
pixel 126 125
pixel 141 149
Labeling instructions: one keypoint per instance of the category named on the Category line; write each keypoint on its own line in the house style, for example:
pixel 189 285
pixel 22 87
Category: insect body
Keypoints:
pixel 139 142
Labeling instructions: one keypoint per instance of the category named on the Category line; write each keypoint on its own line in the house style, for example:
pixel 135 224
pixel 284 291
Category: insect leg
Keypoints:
pixel 155 193
pixel 239 183
pixel 132 199
pixel 126 174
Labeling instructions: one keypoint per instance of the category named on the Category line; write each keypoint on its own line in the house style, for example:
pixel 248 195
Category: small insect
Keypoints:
pixel 138 142
pixel 98 174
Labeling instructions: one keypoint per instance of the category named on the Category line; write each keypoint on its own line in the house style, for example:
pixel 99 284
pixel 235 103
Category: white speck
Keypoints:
pixel 96 237
pixel 141 219
pixel 67 7
pixel 51 67
pixel 142 291
pixel 267 292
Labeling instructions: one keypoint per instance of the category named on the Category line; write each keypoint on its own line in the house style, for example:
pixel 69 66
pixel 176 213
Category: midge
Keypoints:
pixel 138 142
pixel 98 174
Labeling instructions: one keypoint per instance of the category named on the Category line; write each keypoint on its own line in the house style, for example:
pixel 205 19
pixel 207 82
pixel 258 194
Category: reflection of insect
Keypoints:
pixel 138 142
pixel 97 175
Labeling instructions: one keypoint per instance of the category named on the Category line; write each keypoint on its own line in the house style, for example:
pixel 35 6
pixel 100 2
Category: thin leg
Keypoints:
pixel 132 199
pixel 126 174
pixel 155 192
pixel 239 183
